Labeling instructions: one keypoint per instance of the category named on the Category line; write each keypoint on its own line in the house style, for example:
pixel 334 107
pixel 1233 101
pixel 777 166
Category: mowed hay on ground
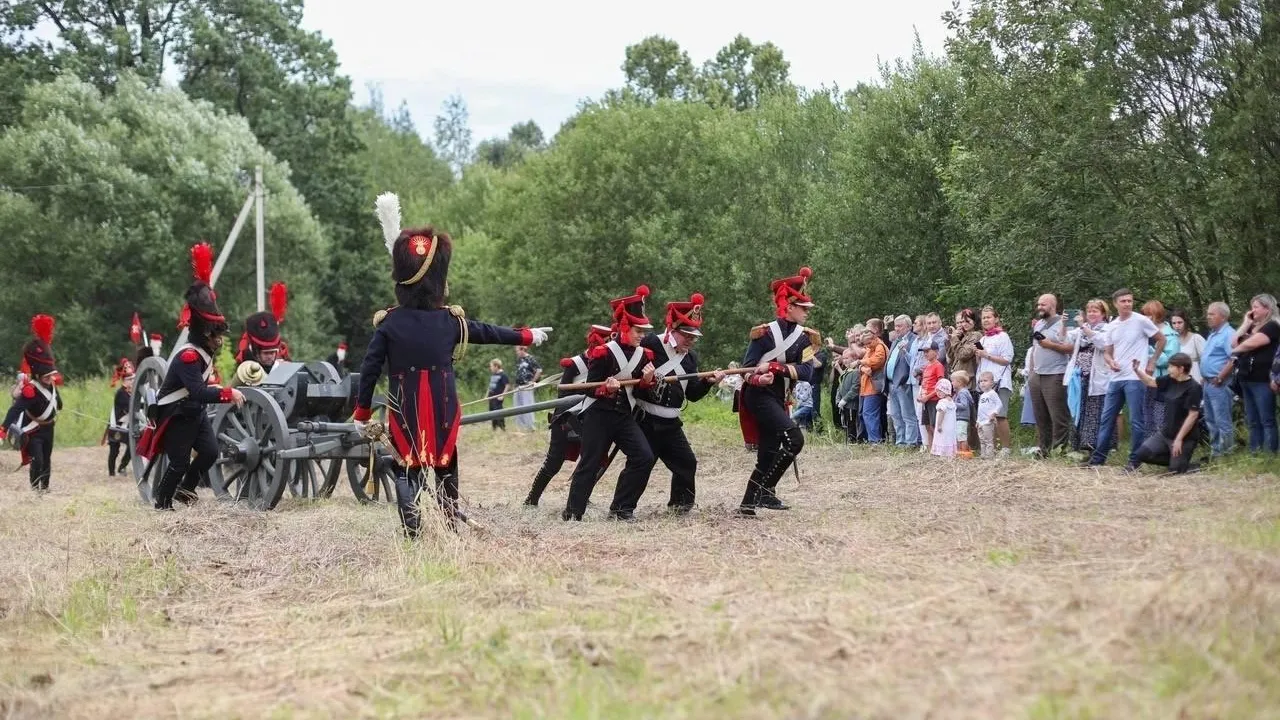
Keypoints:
pixel 898 587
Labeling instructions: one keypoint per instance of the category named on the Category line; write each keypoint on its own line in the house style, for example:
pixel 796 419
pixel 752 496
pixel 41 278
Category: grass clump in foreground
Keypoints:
pixel 899 586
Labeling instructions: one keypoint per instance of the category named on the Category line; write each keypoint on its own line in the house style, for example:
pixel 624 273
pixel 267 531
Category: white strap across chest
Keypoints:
pixel 626 370
pixel 780 344
pixel 182 392
pixel 49 395
pixel 581 364
pixel 675 362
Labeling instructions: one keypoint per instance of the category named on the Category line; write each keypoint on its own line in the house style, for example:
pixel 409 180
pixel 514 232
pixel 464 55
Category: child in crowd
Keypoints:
pixel 803 414
pixel 498 383
pixel 964 411
pixel 932 375
pixel 944 423
pixel 988 408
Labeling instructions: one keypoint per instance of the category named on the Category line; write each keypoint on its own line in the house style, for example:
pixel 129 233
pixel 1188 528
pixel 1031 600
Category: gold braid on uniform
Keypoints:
pixel 464 331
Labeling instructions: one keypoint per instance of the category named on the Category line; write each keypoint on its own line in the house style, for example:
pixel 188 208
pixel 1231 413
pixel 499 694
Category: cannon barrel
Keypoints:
pixel 309 426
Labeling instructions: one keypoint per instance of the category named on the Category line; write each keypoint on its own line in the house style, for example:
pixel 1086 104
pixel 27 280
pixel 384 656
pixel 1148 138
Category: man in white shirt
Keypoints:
pixel 1127 339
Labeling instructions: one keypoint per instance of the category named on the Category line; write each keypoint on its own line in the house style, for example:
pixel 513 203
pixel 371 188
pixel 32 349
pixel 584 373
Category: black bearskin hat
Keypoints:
pixel 201 314
pixel 37 354
pixel 419 258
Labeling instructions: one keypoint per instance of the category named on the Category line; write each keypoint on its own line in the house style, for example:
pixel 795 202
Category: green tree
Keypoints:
pixel 453 134
pixel 657 69
pixel 102 195
pixel 742 74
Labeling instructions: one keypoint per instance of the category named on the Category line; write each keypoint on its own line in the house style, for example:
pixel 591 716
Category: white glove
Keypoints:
pixel 539 334
pixel 841 404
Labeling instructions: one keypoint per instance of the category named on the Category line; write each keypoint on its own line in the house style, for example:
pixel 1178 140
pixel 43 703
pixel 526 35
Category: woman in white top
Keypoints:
pixel 1088 340
pixel 1190 342
pixel 995 355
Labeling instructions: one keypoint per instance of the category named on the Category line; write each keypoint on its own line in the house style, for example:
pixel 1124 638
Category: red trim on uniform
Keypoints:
pixel 646 384
pixel 401 443
pixel 526 336
pixel 427 414
pixel 225 395
pixel 152 439
pixel 603 392
pixel 189 356
pixel 747 422
pixel 777 368
pixel 264 344
pixel 363 414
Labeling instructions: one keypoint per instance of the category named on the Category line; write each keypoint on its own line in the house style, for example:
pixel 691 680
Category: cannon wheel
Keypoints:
pixel 249 439
pixel 146 387
pixel 314 477
pixel 384 489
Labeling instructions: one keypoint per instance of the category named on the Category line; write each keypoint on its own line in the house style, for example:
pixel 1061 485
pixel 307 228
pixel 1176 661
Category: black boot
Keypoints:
pixel 540 483
pixel 751 498
pixel 162 493
pixel 768 495
pixel 408 485
pixel 447 497
pixel 622 515
pixel 769 500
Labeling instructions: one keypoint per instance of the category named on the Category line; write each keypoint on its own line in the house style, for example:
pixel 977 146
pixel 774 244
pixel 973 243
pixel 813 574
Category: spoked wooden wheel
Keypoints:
pixel 382 488
pixel 146 389
pixel 314 477
pixel 250 439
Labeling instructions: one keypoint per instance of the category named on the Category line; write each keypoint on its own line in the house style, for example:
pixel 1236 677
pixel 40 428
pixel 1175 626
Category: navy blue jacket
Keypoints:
pixel 416 347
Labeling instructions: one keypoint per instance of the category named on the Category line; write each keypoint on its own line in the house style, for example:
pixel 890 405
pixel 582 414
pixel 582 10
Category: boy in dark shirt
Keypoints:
pixel 498 382
pixel 1176 441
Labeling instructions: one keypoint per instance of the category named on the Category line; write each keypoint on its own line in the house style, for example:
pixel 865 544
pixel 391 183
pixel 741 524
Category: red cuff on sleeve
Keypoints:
pixel 363 414
pixel 224 395
pixel 777 368
pixel 647 383
pixel 526 336
pixel 603 391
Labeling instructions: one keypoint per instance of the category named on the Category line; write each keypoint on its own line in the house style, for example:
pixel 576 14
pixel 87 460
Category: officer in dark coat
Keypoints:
pixel 29 422
pixel 782 351
pixel 607 417
pixel 261 341
pixel 418 341
pixel 117 435
pixel 660 405
pixel 179 424
pixel 566 425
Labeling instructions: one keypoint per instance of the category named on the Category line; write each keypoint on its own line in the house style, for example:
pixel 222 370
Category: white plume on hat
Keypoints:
pixel 387 207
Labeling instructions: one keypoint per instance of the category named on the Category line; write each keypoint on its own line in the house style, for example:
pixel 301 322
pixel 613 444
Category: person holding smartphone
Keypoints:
pixel 1254 347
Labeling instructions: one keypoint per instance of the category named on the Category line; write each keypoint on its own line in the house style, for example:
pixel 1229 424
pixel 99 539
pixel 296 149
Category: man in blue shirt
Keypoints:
pixel 1216 365
pixel 902 410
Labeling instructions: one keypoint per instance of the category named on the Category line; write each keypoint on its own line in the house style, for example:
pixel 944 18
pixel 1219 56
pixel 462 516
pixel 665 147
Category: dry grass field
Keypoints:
pixel 898 587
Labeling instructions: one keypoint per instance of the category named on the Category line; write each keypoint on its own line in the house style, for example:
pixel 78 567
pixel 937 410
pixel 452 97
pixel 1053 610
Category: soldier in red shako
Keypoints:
pixel 179 424
pixel 566 425
pixel 260 341
pixel 418 340
pixel 783 352
pixel 29 422
pixel 607 413
pixel 660 405
pixel 118 421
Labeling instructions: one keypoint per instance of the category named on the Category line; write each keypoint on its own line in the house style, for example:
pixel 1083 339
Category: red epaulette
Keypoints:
pixel 189 356
pixel 566 362
pixel 28 390
pixel 597 352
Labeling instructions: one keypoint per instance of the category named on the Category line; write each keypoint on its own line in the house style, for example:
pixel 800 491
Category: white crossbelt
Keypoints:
pixel 780 347
pixel 675 361
pixel 626 370
pixel 182 392
pixel 51 397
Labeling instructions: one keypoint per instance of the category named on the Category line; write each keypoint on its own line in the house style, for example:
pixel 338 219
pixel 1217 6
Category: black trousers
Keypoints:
pixel 409 485
pixel 600 429
pixel 668 443
pixel 554 460
pixel 40 450
pixel 497 423
pixel 183 435
pixel 781 440
pixel 1158 450
pixel 115 440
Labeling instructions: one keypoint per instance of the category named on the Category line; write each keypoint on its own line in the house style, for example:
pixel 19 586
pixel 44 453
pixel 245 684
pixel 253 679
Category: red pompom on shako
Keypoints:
pixel 686 317
pixel 792 290
pixel 201 314
pixel 37 354
pixel 628 312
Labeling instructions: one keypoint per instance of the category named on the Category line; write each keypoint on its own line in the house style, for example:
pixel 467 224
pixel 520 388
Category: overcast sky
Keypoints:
pixel 515 61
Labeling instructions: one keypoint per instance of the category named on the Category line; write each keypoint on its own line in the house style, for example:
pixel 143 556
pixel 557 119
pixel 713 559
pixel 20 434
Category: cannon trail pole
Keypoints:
pixel 668 379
